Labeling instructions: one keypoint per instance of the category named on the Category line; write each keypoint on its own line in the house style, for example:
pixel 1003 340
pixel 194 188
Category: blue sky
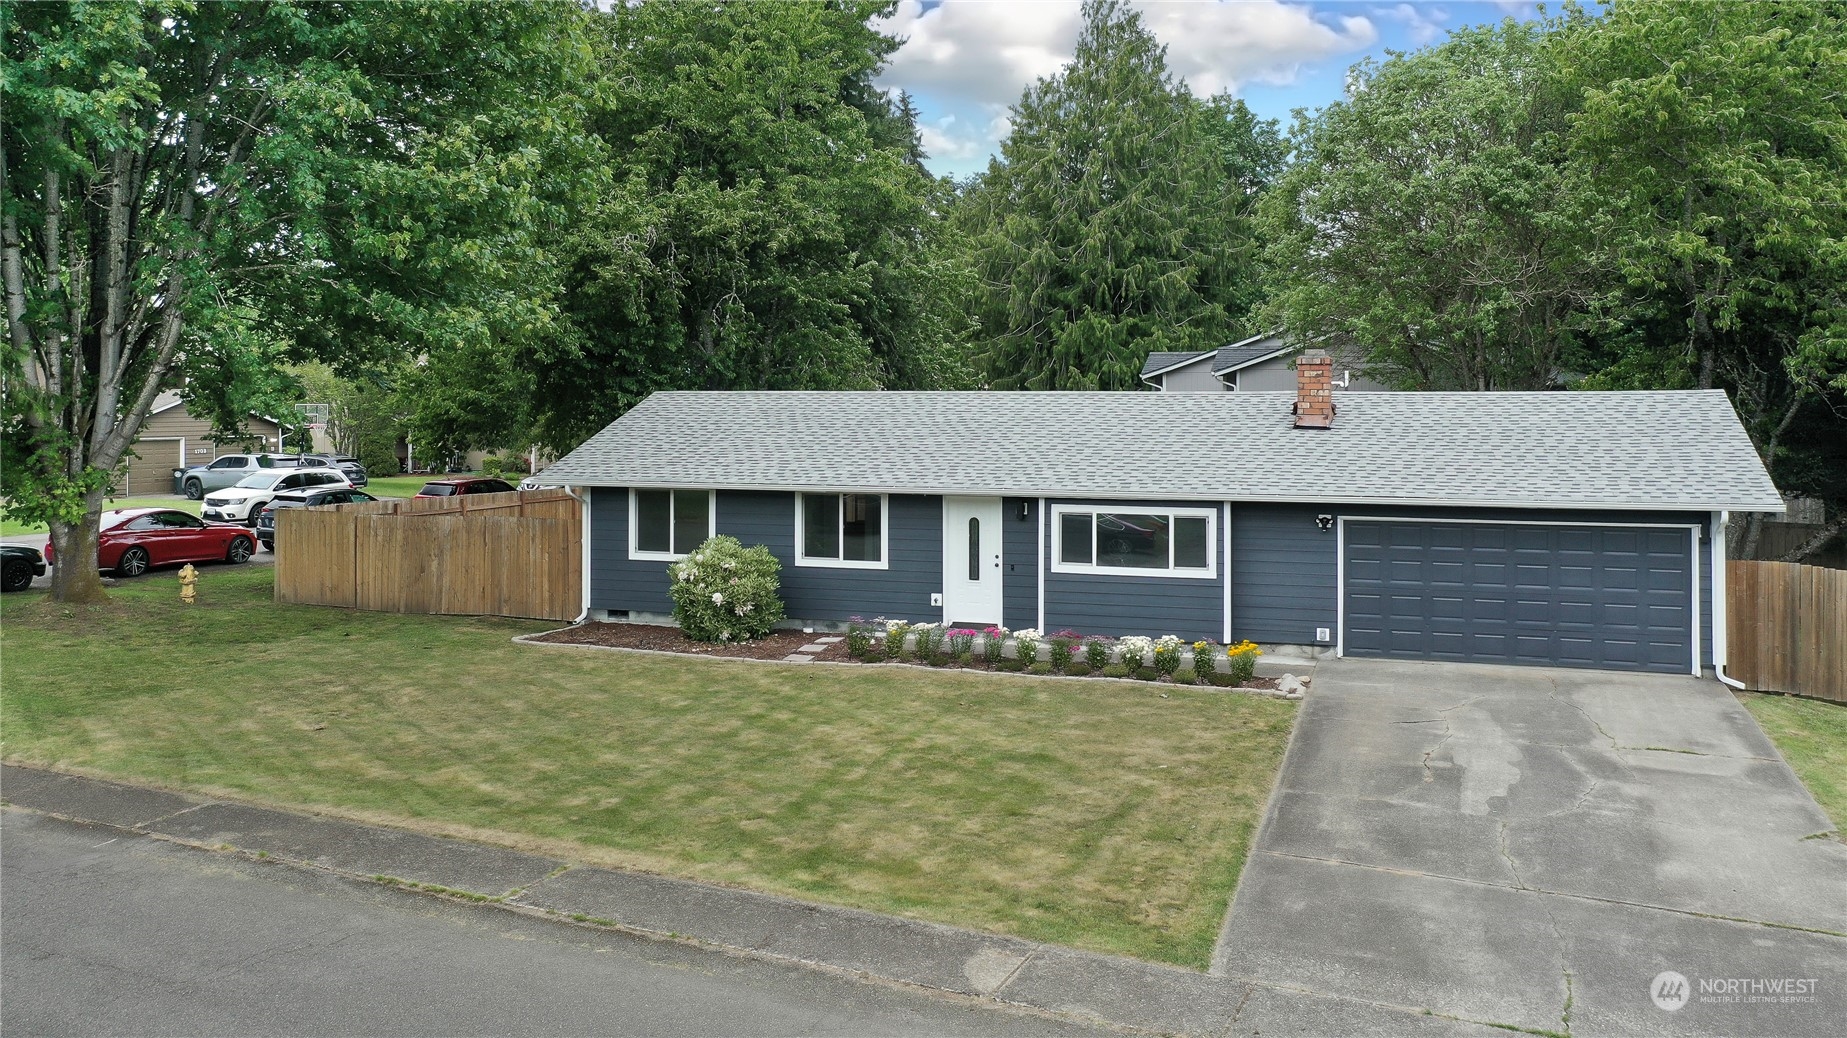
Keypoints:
pixel 966 61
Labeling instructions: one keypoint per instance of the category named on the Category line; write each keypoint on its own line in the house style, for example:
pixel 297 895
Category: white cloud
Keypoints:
pixel 1423 24
pixel 987 53
pixel 942 139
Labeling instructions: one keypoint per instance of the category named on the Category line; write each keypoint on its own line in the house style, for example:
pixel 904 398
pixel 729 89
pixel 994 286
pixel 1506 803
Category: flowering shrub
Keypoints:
pixel 929 640
pixel 993 639
pixel 895 630
pixel 1167 654
pixel 1243 658
pixel 1061 644
pixel 1205 660
pixel 725 592
pixel 961 641
pixel 1135 651
pixel 1096 651
pixel 1026 646
pixel 861 635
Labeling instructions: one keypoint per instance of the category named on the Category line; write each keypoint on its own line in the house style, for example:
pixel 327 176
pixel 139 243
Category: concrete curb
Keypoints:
pixel 1121 993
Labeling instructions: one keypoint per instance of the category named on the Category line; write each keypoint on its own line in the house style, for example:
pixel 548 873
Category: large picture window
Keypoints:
pixel 840 530
pixel 1134 540
pixel 666 524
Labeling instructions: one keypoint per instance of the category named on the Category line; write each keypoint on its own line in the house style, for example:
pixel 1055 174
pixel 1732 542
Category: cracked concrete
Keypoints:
pixel 1564 837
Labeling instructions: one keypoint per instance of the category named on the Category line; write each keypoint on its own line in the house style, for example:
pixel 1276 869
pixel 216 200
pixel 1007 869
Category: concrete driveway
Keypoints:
pixel 1533 847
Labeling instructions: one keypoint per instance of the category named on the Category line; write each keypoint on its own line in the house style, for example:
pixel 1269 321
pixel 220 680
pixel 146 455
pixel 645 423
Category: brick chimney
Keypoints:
pixel 1314 390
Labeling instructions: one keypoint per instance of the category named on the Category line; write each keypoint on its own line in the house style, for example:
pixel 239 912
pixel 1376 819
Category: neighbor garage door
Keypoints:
pixel 1612 597
pixel 152 472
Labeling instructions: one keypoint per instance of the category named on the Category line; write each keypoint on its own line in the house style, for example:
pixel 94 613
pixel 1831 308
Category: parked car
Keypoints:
pixel 18 565
pixel 244 502
pixel 465 485
pixel 310 498
pixel 227 470
pixel 355 472
pixel 133 539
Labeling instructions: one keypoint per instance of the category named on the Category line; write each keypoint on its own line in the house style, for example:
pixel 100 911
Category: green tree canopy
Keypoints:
pixel 1717 135
pixel 1430 222
pixel 1116 220
pixel 767 224
pixel 354 180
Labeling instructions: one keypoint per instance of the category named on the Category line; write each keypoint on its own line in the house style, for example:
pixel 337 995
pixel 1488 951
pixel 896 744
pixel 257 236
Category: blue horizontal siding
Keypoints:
pixel 1020 578
pixel 913 551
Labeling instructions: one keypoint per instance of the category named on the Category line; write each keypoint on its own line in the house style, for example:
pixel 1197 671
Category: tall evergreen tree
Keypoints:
pixel 1116 220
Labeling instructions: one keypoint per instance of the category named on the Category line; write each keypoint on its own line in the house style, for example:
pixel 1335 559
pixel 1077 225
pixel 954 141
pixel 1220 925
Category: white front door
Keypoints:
pixel 971 560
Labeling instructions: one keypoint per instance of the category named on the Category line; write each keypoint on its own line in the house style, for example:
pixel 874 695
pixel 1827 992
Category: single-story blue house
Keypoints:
pixel 1558 528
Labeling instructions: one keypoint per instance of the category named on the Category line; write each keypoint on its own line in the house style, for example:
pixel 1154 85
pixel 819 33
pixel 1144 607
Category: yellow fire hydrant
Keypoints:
pixel 189 581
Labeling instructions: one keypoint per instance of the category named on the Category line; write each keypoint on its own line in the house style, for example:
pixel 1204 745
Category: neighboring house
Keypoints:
pixel 1261 363
pixel 172 439
pixel 1549 528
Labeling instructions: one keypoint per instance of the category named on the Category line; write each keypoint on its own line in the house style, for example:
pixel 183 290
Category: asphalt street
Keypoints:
pixel 105 932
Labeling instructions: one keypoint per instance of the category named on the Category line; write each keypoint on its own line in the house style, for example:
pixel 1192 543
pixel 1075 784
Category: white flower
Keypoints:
pixel 1167 641
pixel 893 625
pixel 1028 635
pixel 730 565
pixel 1136 645
pixel 718 599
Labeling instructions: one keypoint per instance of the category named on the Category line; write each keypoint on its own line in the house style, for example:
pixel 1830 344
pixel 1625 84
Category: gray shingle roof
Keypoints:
pixel 1238 354
pixel 1160 360
pixel 1642 450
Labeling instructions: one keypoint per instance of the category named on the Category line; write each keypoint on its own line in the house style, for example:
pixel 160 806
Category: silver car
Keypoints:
pixel 228 470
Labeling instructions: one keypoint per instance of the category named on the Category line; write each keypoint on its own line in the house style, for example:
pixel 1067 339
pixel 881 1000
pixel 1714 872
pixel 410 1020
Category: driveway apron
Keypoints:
pixel 1533 847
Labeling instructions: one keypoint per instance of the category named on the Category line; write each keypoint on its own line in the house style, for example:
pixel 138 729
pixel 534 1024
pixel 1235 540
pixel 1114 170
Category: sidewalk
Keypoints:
pixel 1124 993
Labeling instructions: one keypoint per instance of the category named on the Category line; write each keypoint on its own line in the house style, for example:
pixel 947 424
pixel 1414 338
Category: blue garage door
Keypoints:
pixel 1610 597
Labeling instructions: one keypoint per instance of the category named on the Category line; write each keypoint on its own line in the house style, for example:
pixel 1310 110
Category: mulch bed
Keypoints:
pixel 669 639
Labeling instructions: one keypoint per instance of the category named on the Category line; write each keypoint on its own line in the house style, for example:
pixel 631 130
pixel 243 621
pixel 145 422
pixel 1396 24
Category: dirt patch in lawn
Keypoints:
pixel 778 645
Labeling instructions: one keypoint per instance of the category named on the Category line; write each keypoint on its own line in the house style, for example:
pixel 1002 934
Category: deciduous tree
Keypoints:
pixel 353 179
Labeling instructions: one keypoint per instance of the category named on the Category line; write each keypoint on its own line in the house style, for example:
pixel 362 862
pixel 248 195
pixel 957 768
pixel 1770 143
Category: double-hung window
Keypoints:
pixel 666 524
pixel 1134 540
pixel 846 530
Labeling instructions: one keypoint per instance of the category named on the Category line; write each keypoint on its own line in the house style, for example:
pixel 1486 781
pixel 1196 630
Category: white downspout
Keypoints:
pixel 1721 614
pixel 584 558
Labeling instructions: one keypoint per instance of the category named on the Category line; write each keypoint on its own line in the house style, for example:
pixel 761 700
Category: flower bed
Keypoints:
pixel 1064 653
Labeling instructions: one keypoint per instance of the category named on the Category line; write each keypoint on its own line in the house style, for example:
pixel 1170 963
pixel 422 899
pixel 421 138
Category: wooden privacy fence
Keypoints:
pixel 1787 628
pixel 518 554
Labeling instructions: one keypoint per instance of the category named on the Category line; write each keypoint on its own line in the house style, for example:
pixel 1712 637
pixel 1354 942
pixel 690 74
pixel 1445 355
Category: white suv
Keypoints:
pixel 244 502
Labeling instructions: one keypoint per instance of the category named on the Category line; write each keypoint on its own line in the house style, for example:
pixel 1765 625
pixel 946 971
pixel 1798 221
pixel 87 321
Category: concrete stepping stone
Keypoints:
pixel 813 648
pixel 798 657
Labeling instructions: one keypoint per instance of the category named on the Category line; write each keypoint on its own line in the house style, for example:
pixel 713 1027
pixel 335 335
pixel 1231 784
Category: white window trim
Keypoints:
pixel 884 559
pixel 1058 565
pixel 638 555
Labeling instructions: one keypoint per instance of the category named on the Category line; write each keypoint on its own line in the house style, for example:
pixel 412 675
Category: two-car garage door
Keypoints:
pixel 1611 597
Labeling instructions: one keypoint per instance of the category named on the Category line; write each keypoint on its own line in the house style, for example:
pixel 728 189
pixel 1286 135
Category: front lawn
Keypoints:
pixel 1106 816
pixel 1813 737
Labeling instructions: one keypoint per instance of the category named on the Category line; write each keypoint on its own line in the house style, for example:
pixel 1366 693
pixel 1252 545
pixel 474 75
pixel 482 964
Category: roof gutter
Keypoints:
pixel 1093 494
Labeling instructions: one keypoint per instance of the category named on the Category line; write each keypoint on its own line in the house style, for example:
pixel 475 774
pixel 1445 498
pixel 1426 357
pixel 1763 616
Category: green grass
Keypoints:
pixel 9 527
pixel 1097 815
pixel 1812 736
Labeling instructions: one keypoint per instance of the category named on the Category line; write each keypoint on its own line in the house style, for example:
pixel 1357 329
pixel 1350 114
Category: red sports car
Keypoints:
pixel 132 539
